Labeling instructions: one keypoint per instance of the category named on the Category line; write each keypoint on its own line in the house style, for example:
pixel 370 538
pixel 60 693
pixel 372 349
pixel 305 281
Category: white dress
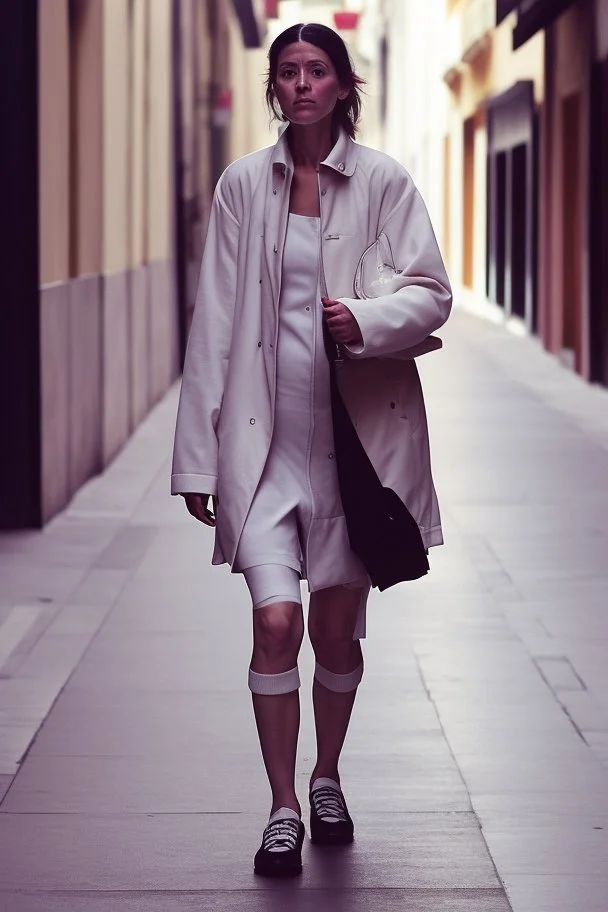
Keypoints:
pixel 296 516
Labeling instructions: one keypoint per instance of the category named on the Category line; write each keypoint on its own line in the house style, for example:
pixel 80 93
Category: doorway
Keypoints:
pixel 598 234
pixel 468 202
pixel 519 178
pixel 572 198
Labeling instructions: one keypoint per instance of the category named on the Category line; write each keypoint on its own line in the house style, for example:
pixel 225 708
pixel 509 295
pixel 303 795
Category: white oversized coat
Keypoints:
pixel 226 407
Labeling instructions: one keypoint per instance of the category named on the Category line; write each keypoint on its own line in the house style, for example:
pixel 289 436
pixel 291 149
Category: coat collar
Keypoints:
pixel 342 158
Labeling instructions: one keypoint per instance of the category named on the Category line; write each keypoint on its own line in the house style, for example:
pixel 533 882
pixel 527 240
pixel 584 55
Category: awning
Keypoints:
pixel 534 15
pixel 251 22
pixel 503 8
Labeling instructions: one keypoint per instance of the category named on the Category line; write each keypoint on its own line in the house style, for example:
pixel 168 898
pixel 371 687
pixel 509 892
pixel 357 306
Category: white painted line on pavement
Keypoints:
pixel 19 622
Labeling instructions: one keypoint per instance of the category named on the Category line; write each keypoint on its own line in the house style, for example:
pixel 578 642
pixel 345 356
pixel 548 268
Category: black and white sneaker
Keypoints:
pixel 330 822
pixel 280 854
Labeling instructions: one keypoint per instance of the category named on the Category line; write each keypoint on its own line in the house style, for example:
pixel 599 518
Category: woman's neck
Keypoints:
pixel 310 145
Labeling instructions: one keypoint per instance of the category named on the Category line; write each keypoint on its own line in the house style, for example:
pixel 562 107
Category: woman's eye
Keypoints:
pixel 287 74
pixel 318 72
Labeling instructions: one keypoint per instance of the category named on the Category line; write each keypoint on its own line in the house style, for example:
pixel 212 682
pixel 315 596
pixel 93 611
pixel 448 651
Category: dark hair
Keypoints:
pixel 347 110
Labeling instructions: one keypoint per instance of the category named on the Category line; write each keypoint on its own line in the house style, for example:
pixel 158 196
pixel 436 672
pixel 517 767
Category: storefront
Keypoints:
pixel 598 177
pixel 512 195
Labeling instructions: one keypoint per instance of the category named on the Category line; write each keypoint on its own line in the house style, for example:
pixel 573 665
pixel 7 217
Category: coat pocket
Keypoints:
pixel 408 394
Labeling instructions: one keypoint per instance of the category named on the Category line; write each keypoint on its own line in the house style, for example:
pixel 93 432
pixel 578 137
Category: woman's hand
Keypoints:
pixel 197 506
pixel 340 322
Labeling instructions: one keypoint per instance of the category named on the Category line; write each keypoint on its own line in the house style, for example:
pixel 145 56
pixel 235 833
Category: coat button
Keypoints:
pixel 330 455
pixel 274 192
pixel 341 166
pixel 252 421
pixel 392 405
pixel 275 249
pixel 323 192
pixel 259 344
pixel 307 307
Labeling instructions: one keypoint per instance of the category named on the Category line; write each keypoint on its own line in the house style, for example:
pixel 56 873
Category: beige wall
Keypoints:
pixel 86 169
pixel 500 67
pixel 249 124
pixel 139 149
pixel 495 69
pixel 54 135
pixel 116 56
pixel 160 133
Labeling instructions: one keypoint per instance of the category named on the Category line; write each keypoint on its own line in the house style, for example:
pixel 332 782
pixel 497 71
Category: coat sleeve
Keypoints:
pixel 195 450
pixel 392 323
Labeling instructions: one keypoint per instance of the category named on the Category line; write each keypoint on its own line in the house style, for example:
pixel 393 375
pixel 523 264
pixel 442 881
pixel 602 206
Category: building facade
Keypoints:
pixel 119 119
pixel 521 126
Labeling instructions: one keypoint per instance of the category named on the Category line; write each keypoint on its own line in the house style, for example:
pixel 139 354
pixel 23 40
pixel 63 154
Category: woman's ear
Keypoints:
pixel 343 93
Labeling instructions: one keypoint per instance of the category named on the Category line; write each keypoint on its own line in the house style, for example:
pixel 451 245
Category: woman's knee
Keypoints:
pixel 331 623
pixel 278 628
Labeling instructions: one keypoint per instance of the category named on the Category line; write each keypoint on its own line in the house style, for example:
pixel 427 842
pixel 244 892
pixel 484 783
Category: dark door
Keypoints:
pixel 598 211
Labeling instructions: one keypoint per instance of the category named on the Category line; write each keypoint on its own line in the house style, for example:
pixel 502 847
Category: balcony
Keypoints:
pixel 478 21
pixel 452 53
pixel 467 38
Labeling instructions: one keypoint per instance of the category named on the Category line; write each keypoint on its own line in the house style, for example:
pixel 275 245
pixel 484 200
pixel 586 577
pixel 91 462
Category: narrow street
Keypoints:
pixel 476 768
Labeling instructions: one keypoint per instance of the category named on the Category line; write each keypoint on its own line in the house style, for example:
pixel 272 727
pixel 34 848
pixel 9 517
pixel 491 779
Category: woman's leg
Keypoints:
pixel 277 636
pixel 331 622
pixel 278 628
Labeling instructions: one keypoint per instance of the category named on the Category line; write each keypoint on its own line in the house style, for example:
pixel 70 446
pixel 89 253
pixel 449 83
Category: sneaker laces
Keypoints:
pixel 281 836
pixel 329 804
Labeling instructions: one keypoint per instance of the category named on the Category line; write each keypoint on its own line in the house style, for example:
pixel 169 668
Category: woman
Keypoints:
pixel 287 232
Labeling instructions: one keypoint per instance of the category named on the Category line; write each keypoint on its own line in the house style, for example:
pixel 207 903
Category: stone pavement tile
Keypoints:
pixel 598 742
pixel 585 560
pixel 589 514
pixel 195 852
pixel 559 848
pixel 513 772
pixel 5 783
pixel 14 742
pixel 220 607
pixel 497 741
pixel 30 582
pixel 163 662
pixel 116 723
pixel 559 674
pixel 100 587
pixel 220 782
pixel 20 627
pixel 402 610
pixel 127 549
pixel 24 700
pixel 557 892
pixel 495 808
pixel 141 723
pixel 476 660
pixel 58 545
pixel 584 589
pixel 293 895
pixel 584 710
pixel 180 549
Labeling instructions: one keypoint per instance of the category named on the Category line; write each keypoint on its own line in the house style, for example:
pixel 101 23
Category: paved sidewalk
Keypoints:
pixel 477 763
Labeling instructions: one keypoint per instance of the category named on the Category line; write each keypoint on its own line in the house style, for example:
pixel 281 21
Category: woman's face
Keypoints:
pixel 306 84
